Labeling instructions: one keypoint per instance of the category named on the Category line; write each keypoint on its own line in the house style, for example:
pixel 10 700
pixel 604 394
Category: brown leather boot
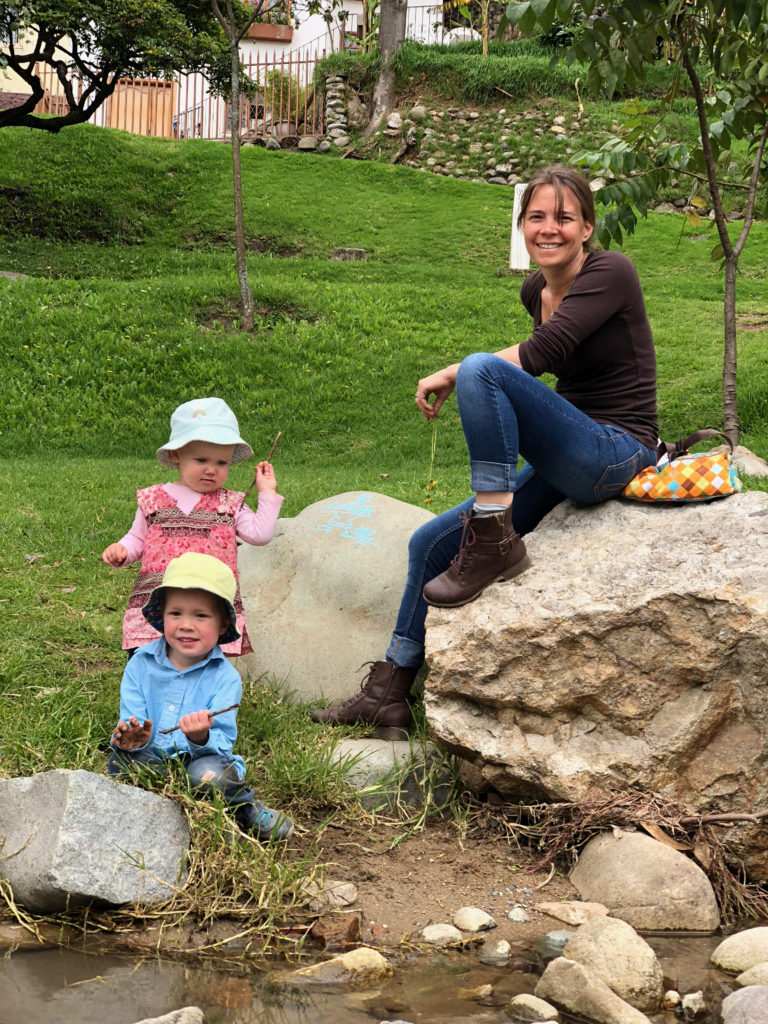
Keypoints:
pixel 382 701
pixel 490 550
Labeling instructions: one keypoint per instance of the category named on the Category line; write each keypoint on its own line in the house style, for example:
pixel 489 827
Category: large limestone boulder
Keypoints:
pixel 631 653
pixel 70 838
pixel 322 597
pixel 646 883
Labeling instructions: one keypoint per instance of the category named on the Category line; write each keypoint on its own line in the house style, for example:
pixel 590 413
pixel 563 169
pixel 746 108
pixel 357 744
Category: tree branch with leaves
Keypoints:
pixel 618 42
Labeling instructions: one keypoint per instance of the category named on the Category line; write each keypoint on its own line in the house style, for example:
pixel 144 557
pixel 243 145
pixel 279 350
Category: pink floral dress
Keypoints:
pixel 208 529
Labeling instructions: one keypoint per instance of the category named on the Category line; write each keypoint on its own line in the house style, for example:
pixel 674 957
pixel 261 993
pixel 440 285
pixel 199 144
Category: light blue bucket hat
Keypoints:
pixel 204 419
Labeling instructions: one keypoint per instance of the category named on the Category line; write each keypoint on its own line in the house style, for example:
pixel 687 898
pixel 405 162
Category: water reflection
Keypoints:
pixel 67 987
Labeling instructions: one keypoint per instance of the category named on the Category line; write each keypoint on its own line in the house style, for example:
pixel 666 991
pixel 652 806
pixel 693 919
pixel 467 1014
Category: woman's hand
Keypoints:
pixel 439 384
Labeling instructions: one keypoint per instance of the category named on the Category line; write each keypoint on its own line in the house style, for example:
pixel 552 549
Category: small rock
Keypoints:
pixel 347 254
pixel 441 934
pixel 186 1015
pixel 395 121
pixel 477 994
pixel 671 999
pixel 337 932
pixel 272 143
pixel 418 113
pixel 341 141
pixel 518 914
pixel 361 968
pixel 553 943
pixel 324 146
pixel 755 975
pixel 308 142
pixel 473 919
pixel 531 1008
pixel 330 896
pixel 693 1005
pixel 495 952
pixel 573 912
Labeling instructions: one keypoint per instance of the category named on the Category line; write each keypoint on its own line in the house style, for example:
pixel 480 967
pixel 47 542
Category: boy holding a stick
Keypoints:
pixel 179 694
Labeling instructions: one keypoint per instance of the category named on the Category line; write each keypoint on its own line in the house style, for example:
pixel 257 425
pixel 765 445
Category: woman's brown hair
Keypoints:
pixel 561 178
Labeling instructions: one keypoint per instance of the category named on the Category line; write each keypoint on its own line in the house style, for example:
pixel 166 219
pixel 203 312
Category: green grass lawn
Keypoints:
pixel 127 312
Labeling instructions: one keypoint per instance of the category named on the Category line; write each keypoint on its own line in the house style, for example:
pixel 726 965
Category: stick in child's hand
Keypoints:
pixel 268 459
pixel 164 732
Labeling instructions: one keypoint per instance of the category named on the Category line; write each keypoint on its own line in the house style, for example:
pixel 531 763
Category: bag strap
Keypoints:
pixel 674 451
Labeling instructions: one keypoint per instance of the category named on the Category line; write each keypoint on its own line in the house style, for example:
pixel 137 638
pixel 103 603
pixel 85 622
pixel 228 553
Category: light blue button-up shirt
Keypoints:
pixel 152 687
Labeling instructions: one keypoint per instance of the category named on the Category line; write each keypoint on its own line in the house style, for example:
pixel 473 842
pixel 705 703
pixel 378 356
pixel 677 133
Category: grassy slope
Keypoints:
pixel 103 340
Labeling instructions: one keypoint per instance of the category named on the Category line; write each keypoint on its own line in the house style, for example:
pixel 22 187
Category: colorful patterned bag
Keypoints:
pixel 680 475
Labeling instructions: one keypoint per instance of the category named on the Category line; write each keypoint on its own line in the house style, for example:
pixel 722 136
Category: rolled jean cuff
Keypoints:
pixel 404 652
pixel 493 476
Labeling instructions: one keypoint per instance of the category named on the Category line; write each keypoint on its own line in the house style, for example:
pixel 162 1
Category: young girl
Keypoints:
pixel 195 512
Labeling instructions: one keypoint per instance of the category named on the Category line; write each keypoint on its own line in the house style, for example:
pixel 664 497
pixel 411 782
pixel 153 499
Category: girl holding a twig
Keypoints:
pixel 195 512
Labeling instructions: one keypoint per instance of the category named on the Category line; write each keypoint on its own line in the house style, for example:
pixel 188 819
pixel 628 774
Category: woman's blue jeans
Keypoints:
pixel 505 413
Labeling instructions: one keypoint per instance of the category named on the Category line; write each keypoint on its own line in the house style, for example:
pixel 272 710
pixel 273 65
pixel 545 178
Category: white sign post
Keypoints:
pixel 518 254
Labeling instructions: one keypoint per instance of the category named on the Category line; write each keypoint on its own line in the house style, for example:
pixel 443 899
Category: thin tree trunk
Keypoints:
pixel 392 22
pixel 246 295
pixel 730 407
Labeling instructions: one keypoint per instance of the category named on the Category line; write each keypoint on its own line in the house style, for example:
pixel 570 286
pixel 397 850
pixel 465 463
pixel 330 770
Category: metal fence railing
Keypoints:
pixel 284 103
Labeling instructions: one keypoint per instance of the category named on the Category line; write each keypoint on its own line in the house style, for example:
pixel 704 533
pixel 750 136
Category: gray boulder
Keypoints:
pixel 631 653
pixel 614 951
pixel 322 597
pixel 646 883
pixel 580 991
pixel 71 838
pixel 746 1006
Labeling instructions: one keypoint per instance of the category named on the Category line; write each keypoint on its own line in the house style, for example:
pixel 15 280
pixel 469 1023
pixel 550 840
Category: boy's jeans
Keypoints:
pixel 505 412
pixel 206 774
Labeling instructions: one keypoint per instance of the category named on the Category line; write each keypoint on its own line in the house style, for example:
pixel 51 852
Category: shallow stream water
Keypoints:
pixel 64 987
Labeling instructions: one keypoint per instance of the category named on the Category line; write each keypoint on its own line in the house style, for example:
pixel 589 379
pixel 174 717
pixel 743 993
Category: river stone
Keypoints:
pixel 531 1008
pixel 186 1015
pixel 746 1006
pixel 646 883
pixel 473 919
pixel 441 934
pixel 360 968
pixel 388 773
pixel 757 974
pixel 573 912
pixel 71 838
pixel 580 991
pixel 495 952
pixel 614 951
pixel 741 951
pixel 619 659
pixel 322 597
pixel 553 943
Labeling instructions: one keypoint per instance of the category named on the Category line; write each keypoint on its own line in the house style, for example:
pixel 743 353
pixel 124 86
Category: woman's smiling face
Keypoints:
pixel 555 237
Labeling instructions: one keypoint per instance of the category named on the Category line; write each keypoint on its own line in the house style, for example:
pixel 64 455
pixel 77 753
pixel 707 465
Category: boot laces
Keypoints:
pixel 363 685
pixel 467 540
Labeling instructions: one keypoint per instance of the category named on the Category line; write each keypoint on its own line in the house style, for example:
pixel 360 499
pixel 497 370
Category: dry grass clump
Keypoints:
pixel 559 830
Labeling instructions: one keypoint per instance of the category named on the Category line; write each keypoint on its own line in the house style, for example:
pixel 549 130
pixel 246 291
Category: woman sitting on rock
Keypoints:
pixel 585 440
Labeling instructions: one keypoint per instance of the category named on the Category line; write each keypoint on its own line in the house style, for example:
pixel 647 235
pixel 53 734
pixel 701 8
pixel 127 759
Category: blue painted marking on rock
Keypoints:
pixel 344 516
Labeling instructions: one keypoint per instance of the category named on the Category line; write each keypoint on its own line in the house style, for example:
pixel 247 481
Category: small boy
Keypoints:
pixel 179 679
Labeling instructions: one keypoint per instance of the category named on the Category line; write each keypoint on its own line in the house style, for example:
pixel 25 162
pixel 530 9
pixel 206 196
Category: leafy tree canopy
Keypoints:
pixel 97 42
